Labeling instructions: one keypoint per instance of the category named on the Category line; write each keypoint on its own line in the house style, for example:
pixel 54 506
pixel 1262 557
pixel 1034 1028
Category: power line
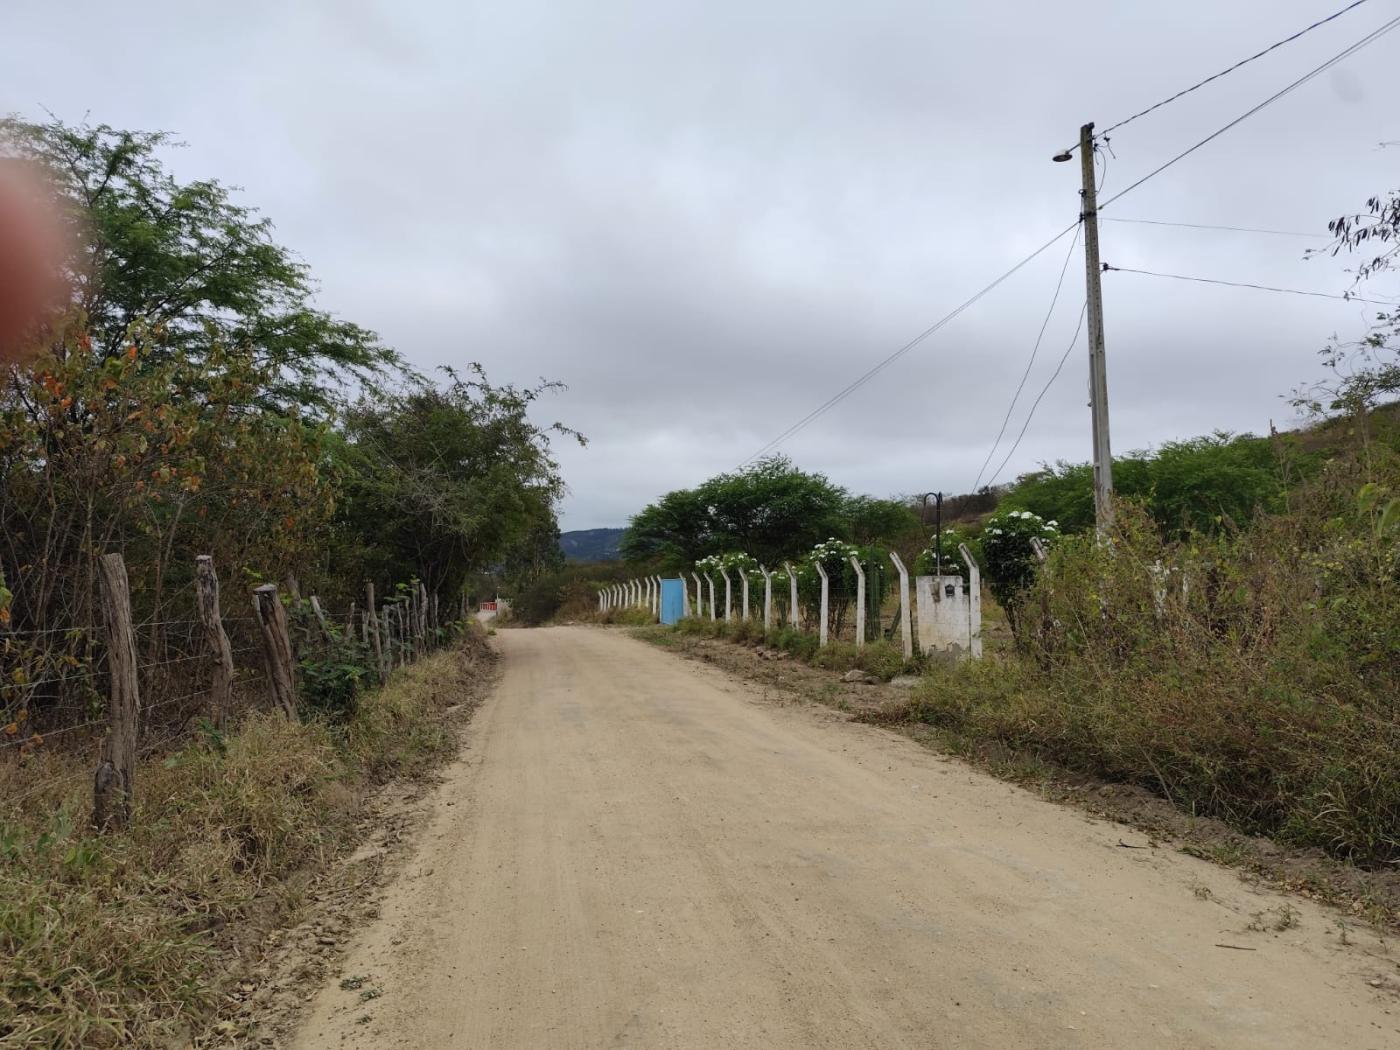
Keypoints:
pixel 876 369
pixel 1084 310
pixel 1054 299
pixel 1369 38
pixel 1241 284
pixel 1225 72
pixel 887 361
pixel 1209 226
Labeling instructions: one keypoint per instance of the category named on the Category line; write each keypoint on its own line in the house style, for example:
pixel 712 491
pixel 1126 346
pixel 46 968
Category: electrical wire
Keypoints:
pixel 1368 39
pixel 880 366
pixel 1084 310
pixel 890 359
pixel 1242 284
pixel 1225 72
pixel 1054 299
pixel 1209 226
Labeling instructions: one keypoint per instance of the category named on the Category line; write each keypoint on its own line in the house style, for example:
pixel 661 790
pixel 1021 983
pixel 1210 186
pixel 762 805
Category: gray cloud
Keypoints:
pixel 706 218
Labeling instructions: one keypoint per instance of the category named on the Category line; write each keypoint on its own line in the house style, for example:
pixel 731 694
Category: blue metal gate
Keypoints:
pixel 672 600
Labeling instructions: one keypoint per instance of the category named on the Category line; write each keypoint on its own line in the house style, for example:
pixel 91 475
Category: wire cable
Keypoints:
pixel 1242 284
pixel 1209 226
pixel 1225 72
pixel 880 366
pixel 1083 312
pixel 1054 299
pixel 1369 38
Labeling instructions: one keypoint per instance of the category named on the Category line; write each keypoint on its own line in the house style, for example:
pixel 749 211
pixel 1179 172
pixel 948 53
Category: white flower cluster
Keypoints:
pixel 833 548
pixel 1017 520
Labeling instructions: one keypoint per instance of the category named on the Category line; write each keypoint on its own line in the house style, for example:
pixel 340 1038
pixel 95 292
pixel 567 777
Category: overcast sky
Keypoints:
pixel 707 217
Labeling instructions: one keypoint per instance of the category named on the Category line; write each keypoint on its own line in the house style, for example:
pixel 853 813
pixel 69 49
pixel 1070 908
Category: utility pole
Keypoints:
pixel 1098 371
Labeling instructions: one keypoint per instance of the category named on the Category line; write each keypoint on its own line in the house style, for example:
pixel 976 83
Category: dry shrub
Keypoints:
pixel 116 940
pixel 1250 676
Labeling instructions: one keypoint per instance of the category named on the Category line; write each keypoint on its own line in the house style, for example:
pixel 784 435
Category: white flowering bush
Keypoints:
pixel 1008 559
pixel 953 563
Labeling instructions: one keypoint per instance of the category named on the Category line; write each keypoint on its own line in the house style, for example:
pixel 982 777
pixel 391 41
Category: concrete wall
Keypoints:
pixel 945 615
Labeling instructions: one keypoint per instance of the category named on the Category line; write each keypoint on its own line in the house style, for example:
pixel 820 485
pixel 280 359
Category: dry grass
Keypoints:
pixel 1262 693
pixel 120 939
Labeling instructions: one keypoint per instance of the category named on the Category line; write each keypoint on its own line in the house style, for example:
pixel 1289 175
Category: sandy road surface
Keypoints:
pixel 637 852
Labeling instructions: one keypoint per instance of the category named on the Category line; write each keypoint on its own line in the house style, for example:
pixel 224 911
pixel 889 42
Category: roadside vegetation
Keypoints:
pixel 133 938
pixel 193 400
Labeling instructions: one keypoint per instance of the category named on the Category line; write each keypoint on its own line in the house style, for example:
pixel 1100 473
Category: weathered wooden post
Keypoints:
pixel 860 601
pixel 277 648
pixel 906 624
pixel 767 599
pixel 792 595
pixel 422 615
pixel 115 780
pixel 372 628
pixel 974 602
pixel 386 628
pixel 826 589
pixel 207 600
pixel 321 619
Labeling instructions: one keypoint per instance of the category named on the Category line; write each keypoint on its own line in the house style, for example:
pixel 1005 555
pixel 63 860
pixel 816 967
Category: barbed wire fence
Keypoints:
pixel 78 703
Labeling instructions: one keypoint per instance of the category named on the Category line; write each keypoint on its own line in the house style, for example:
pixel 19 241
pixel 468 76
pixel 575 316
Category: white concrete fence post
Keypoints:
pixel 974 601
pixel 826 589
pixel 792 595
pixel 906 623
pixel 699 596
pixel 744 580
pixel 860 601
pixel 728 595
pixel 714 612
pixel 656 600
pixel 685 597
pixel 767 599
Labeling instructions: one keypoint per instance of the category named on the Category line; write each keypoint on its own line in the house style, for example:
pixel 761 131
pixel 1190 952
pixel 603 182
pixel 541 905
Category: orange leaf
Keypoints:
pixel 11 729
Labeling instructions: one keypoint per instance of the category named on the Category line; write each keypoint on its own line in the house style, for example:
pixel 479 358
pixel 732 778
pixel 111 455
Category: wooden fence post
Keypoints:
pixel 115 781
pixel 207 594
pixel 422 615
pixel 321 618
pixel 435 621
pixel 277 648
pixel 372 627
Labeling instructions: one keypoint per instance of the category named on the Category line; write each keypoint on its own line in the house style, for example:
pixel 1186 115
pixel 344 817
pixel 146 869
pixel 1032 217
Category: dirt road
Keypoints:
pixel 636 851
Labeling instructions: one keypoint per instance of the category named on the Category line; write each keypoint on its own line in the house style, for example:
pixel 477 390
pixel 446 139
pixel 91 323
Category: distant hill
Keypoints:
pixel 591 544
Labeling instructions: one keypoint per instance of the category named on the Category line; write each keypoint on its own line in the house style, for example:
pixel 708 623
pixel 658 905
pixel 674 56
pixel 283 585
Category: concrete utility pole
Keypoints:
pixel 1098 371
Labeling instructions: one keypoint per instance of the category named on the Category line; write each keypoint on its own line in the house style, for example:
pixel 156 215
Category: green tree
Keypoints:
pixel 441 481
pixel 193 266
pixel 770 510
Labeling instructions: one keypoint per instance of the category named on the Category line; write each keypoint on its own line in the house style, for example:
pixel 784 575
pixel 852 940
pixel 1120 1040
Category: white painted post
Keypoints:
pixel 714 613
pixel 601 602
pixel 685 597
pixel 646 592
pixel 635 593
pixel 728 595
pixel 744 578
pixel 974 602
pixel 906 624
pixel 860 602
pixel 826 587
pixel 792 595
pixel 767 599
pixel 656 599
pixel 699 595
